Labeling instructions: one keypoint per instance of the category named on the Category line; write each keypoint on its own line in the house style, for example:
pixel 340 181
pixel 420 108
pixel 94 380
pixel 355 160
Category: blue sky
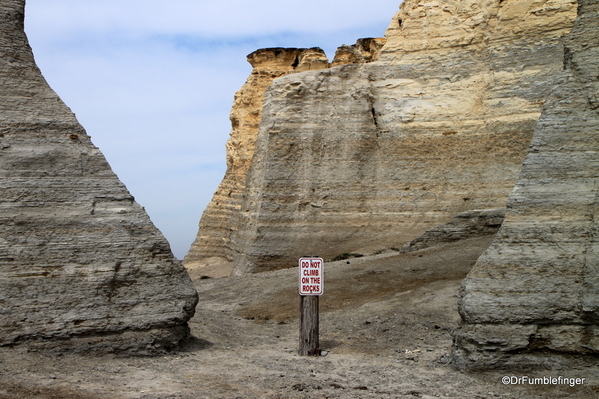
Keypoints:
pixel 152 81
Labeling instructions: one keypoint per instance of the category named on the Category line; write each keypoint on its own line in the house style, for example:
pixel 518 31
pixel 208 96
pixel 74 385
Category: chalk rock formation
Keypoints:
pixel 536 289
pixel 361 157
pixel 464 225
pixel 218 222
pixel 221 217
pixel 81 264
pixel 365 50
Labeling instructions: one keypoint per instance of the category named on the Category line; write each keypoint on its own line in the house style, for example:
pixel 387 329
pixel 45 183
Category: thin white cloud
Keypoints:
pixel 153 81
pixel 208 18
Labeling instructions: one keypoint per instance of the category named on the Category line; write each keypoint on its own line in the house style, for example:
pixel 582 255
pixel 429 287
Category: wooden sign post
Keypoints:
pixel 310 288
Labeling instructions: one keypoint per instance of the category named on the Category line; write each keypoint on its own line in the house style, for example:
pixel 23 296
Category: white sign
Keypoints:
pixel 311 276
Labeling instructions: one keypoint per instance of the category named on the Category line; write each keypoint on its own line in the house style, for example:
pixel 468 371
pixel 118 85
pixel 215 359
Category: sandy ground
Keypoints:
pixel 385 322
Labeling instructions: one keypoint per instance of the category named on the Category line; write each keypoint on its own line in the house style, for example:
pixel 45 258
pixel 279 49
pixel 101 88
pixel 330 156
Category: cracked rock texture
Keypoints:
pixel 536 289
pixel 362 157
pixel 365 50
pixel 81 264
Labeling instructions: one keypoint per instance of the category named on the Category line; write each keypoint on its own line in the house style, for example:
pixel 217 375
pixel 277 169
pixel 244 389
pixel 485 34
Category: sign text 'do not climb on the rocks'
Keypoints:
pixel 311 276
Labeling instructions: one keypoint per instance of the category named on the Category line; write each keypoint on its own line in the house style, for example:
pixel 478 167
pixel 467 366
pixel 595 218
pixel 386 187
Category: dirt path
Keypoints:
pixel 385 321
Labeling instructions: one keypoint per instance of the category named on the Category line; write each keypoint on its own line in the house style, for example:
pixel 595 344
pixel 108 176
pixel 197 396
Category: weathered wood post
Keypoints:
pixel 310 288
pixel 309 338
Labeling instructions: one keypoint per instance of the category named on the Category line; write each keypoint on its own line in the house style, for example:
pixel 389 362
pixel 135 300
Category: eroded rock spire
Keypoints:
pixel 535 292
pixel 81 264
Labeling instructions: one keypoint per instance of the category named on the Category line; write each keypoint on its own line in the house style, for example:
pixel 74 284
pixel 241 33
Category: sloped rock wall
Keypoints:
pixel 361 157
pixel 535 291
pixel 81 264
pixel 218 221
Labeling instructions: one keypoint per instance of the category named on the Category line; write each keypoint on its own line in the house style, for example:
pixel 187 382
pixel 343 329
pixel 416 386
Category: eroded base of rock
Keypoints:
pixel 516 346
pixel 155 341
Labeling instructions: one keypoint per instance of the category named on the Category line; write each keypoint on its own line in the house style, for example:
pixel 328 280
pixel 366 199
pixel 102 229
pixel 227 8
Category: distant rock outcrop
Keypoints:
pixel 535 291
pixel 81 264
pixel 361 157
pixel 365 50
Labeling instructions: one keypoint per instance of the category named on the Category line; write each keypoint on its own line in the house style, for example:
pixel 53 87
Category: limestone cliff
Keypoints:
pixel 218 221
pixel 81 264
pixel 535 292
pixel 361 157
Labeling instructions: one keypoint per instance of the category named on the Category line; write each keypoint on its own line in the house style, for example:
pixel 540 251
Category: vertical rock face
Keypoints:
pixel 536 289
pixel 361 157
pixel 218 222
pixel 81 264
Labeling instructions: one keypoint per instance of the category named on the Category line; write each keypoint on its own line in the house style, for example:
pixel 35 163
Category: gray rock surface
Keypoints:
pixel 81 264
pixel 361 157
pixel 535 291
pixel 476 223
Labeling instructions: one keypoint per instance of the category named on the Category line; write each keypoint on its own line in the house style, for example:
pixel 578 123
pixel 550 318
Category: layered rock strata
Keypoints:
pixel 535 291
pixel 477 223
pixel 361 157
pixel 218 221
pixel 81 264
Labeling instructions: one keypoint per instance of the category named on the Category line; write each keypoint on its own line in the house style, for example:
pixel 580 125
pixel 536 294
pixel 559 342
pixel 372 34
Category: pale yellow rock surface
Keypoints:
pixel 365 50
pixel 219 219
pixel 432 25
pixel 363 157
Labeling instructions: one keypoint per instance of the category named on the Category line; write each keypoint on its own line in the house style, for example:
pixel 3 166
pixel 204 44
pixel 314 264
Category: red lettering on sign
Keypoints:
pixel 310 288
pixel 311 272
pixel 311 276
